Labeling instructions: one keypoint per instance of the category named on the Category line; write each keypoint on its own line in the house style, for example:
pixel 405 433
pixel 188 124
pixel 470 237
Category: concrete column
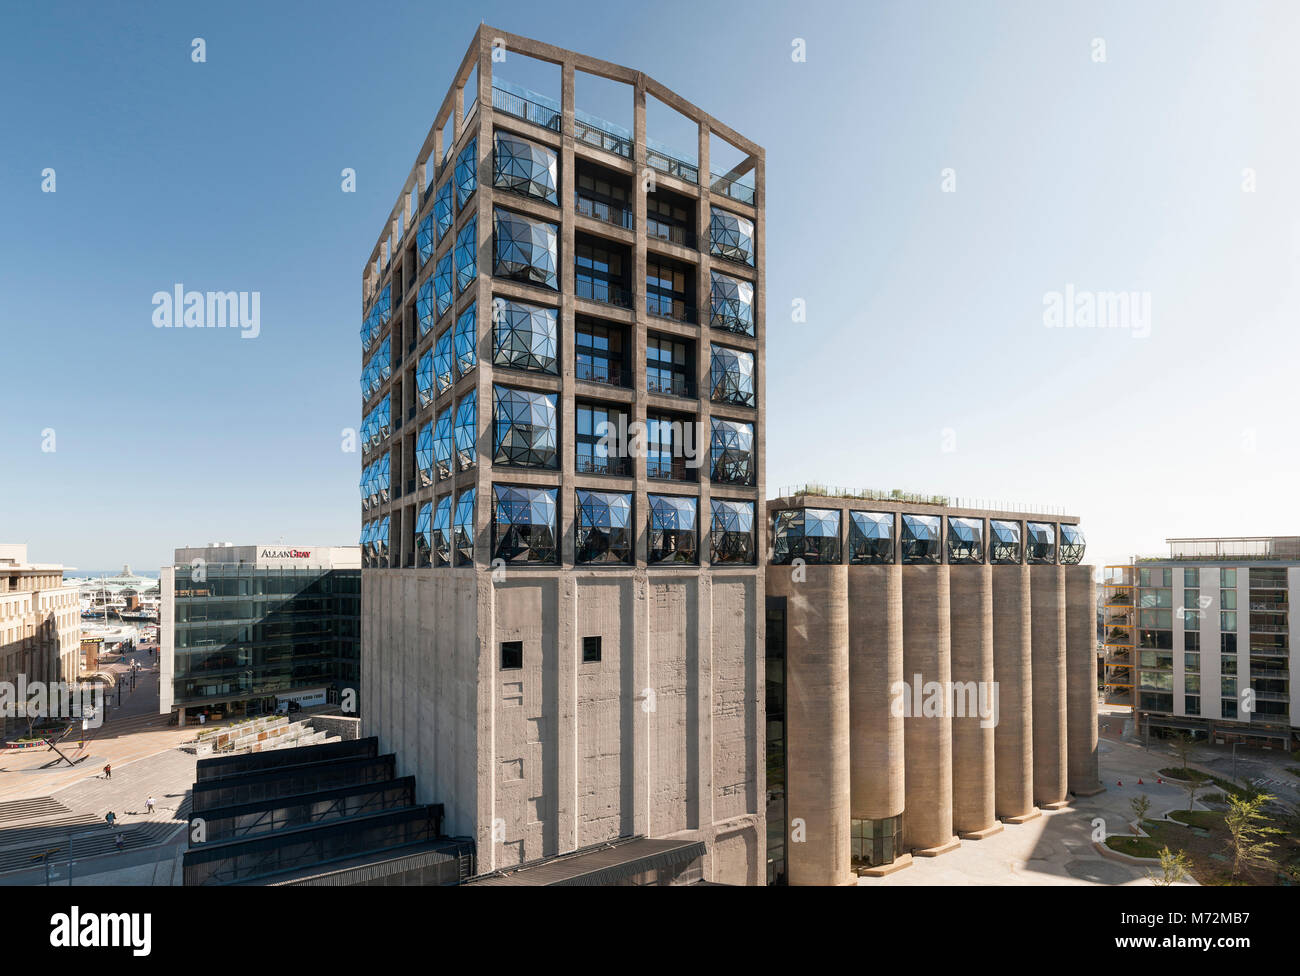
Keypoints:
pixel 1013 738
pixel 817 723
pixel 875 665
pixel 1081 680
pixel 1047 629
pixel 927 739
pixel 975 707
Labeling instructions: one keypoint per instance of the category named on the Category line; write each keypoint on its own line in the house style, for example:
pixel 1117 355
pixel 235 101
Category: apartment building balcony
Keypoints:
pixel 669 469
pixel 596 290
pixel 591 464
pixel 672 166
pixel 608 213
pixel 677 385
pixel 662 307
pixel 605 374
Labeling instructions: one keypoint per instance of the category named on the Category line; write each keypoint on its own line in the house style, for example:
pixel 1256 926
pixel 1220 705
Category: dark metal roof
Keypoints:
pixel 605 865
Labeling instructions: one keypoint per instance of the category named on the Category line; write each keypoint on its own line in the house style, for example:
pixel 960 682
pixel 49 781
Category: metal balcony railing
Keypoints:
pixel 602 465
pixel 675 385
pixel 610 375
pixel 733 187
pixel 668 469
pixel 609 213
pixel 672 166
pixel 594 135
pixel 673 233
pixel 599 290
pixel 667 308
pixel 523 108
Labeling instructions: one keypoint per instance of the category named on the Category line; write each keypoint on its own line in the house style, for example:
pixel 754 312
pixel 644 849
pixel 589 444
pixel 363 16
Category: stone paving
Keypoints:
pixel 1057 848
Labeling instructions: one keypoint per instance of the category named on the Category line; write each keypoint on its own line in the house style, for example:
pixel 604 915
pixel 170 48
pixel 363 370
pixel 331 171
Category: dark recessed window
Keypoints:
pixel 590 650
pixel 512 655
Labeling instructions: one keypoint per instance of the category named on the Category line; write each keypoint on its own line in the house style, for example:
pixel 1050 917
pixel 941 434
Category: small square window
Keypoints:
pixel 590 650
pixel 512 655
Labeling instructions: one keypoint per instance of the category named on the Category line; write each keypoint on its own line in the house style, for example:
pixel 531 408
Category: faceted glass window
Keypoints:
pixel 424 454
pixel 526 250
pixel 442 209
pixel 731 373
pixel 442 362
pixel 424 378
pixel 463 531
pixel 965 540
pixel 524 524
pixel 604 527
pixel 732 304
pixel 921 539
pixel 424 239
pixel 731 237
pixel 381 543
pixel 1041 539
pixel 524 336
pixel 672 529
pixel 731 535
pixel 467 254
pixel 1004 542
pixel 526 168
pixel 526 430
pixel 466 341
pixel 1072 545
pixel 731 448
pixel 871 538
pixel 424 535
pixel 442 282
pixel 440 538
pixel 442 444
pixel 466 175
pixel 425 309
pixel 810 534
pixel 466 431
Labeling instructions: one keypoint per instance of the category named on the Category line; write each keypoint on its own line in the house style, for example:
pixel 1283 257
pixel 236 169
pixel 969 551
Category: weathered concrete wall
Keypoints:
pixel 1013 739
pixel 1047 627
pixel 927 740
pixel 817 721
pixel 346 727
pixel 971 590
pixel 875 666
pixel 1081 665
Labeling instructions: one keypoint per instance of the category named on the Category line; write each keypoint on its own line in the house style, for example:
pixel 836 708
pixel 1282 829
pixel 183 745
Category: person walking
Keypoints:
pixel 148 805
pixel 108 770
pixel 117 842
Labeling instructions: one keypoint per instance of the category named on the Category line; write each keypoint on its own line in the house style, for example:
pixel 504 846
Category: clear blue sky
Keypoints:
pixel 925 309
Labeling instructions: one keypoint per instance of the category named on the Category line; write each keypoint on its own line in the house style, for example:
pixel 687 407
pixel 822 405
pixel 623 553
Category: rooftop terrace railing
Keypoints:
pixel 592 134
pixel 916 498
pixel 526 109
pixel 732 187
pixel 672 166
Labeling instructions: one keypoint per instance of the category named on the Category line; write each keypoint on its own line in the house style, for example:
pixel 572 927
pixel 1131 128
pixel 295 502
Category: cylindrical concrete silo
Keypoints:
pixel 973 719
pixel 1047 627
pixel 927 738
pixel 875 667
pixel 1081 679
pixel 1013 738
pixel 817 722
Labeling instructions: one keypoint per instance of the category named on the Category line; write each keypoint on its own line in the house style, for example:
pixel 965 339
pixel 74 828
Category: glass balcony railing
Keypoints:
pixel 672 166
pixel 733 187
pixel 587 131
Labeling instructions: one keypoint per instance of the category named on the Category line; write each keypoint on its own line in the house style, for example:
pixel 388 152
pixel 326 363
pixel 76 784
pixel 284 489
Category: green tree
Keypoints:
pixel 1140 804
pixel 1249 833
pixel 1174 867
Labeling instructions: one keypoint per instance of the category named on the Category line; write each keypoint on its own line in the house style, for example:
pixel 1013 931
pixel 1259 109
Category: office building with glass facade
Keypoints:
pixel 931 675
pixel 562 472
pixel 243 628
pixel 1213 639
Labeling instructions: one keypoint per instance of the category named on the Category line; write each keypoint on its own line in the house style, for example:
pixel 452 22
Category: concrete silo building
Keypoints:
pixel 931 676
pixel 563 628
